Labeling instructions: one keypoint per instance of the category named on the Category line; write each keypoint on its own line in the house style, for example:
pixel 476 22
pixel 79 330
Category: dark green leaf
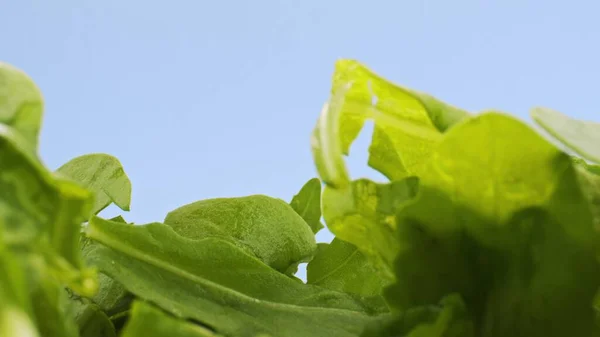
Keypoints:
pixel 214 282
pixel 448 319
pixel 149 321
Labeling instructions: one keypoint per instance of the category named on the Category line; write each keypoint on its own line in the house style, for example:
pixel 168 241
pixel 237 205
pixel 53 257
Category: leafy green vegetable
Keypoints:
pixel 266 227
pixel 450 318
pixel 512 232
pixel 581 136
pixel 92 321
pixel 149 321
pixel 340 266
pixel 16 313
pixel 21 106
pixel 215 282
pixel 408 124
pixel 40 216
pixel 102 174
pixel 364 215
pixel 307 203
pixel 484 229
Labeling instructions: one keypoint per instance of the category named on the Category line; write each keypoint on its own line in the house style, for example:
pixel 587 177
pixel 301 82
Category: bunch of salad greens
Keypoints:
pixel 484 229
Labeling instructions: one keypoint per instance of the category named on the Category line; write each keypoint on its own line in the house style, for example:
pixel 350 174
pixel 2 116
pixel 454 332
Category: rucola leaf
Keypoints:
pixel 38 211
pixel 408 127
pixel 581 136
pixel 266 227
pixel 364 214
pixel 102 174
pixel 342 267
pixel 214 282
pixel 506 222
pixel 149 321
pixel 21 106
pixel 408 124
pixel 307 203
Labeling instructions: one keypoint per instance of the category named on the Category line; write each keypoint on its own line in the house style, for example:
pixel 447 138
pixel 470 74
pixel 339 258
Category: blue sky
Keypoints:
pixel 204 99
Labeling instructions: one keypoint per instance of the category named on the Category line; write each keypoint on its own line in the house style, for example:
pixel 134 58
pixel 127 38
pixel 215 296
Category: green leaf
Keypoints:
pixel 267 227
pixel 408 124
pixel 215 282
pixel 91 320
pixel 104 175
pixel 581 136
pixel 111 296
pixel 342 267
pixel 50 302
pixel 16 312
pixel 38 211
pixel 307 203
pixel 364 214
pixel 149 321
pixel 450 318
pixel 509 224
pixel 21 105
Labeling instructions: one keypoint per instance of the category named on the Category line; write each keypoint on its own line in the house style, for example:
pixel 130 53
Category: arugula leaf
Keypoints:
pixel 21 105
pixel 16 312
pixel 513 232
pixel 215 282
pixel 51 306
pixel 38 211
pixel 266 227
pixel 364 215
pixel 92 321
pixel 449 318
pixel 408 124
pixel 111 296
pixel 149 321
pixel 307 203
pixel 342 267
pixel 581 136
pixel 104 175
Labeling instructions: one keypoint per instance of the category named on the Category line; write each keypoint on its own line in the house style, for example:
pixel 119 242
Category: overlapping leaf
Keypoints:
pixel 215 282
pixel 408 127
pixel 267 227
pixel 307 203
pixel 512 232
pixel 581 136
pixel 104 175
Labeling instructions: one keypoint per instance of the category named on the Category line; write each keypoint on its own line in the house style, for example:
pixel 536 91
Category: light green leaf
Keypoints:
pixel 364 214
pixel 149 321
pixel 21 105
pixel 214 282
pixel 583 137
pixel 408 124
pixel 38 211
pixel 104 175
pixel 267 227
pixel 507 223
pixel 16 312
pixel 307 203
pixel 342 267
